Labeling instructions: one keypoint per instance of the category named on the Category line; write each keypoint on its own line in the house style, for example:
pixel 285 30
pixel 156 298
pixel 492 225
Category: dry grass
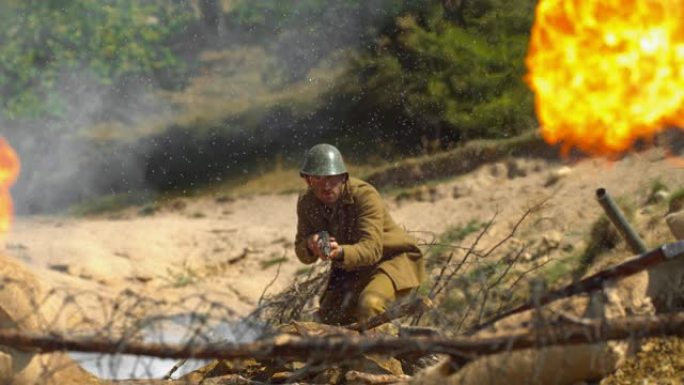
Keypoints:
pixel 661 362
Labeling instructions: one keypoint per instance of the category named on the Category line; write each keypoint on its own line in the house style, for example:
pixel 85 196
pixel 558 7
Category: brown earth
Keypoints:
pixel 220 256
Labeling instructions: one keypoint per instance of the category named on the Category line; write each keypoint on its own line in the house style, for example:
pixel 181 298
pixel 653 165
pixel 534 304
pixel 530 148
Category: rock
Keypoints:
pixel 515 169
pixel 659 196
pixel 497 170
pixel 61 267
pixel 557 175
pixel 526 256
pixel 552 239
pixel 178 205
pixel 461 190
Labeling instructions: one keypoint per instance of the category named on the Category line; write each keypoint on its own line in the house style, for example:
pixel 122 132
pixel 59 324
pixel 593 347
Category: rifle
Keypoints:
pixel 324 243
pixel 666 252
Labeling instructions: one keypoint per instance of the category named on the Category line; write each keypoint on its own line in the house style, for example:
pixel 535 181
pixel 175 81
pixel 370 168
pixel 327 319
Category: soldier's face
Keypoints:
pixel 327 189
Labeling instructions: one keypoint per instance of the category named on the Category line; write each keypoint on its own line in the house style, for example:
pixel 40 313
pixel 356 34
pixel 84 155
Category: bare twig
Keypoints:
pixel 263 293
pixel 288 305
pixel 514 284
pixel 440 283
pixel 486 290
pixel 175 367
pixel 527 212
pixel 240 257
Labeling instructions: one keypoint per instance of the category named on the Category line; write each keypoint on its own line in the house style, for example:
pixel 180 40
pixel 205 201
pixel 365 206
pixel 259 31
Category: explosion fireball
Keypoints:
pixel 607 73
pixel 9 171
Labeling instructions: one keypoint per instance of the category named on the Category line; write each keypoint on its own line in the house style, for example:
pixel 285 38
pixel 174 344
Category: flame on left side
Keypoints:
pixel 9 171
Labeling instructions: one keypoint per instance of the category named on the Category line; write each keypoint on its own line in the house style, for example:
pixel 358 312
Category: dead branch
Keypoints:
pixel 344 347
pixel 510 235
pixel 240 257
pixel 263 293
pixel 375 379
pixel 288 305
pixel 488 288
pixel 513 285
pixel 440 282
pixel 536 207
pixel 175 367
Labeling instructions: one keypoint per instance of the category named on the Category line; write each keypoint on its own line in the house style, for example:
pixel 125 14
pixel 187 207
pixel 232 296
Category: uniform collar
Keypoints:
pixel 347 197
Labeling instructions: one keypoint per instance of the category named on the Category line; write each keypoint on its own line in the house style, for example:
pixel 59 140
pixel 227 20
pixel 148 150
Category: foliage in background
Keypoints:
pixel 426 76
pixel 445 74
pixel 43 42
pixel 301 33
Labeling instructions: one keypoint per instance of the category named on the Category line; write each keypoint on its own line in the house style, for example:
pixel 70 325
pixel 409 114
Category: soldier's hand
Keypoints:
pixel 336 252
pixel 312 245
pixel 335 248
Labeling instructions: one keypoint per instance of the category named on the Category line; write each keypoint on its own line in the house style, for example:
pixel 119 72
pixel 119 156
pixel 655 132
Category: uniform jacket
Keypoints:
pixel 370 238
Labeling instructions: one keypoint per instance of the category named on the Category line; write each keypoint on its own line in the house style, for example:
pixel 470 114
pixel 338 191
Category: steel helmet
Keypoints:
pixel 322 160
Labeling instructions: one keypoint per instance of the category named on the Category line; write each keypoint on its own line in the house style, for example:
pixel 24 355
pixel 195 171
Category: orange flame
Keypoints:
pixel 607 72
pixel 9 170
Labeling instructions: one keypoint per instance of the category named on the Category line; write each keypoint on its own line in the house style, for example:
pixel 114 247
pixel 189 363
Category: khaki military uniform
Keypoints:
pixel 381 261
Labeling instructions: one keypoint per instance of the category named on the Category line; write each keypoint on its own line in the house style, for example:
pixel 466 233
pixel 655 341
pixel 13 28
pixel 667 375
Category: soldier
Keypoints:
pixel 374 261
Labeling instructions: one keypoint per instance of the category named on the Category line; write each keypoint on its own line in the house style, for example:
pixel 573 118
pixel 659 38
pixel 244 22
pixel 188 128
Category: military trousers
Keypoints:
pixel 357 296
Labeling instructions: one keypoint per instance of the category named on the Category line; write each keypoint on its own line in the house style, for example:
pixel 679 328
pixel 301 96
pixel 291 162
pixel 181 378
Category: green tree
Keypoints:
pixel 105 39
pixel 451 72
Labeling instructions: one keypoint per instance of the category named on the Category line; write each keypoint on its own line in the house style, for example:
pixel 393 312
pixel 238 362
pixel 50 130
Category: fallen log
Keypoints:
pixel 345 347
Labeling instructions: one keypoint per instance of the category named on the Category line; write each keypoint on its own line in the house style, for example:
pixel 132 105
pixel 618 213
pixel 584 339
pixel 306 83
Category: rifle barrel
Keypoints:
pixel 620 222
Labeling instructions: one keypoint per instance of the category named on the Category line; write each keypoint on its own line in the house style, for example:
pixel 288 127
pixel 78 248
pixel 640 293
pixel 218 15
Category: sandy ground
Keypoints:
pixel 220 256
